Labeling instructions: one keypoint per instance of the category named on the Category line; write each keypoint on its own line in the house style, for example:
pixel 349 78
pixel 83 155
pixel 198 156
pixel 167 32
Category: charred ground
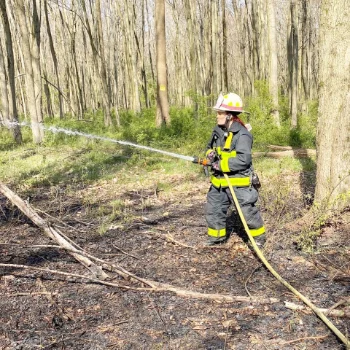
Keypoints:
pixel 130 226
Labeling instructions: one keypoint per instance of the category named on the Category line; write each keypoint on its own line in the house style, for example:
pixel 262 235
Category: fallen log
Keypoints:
pixel 279 148
pixel 295 152
pixel 51 232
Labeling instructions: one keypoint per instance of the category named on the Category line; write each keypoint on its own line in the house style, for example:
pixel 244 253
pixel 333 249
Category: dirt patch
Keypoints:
pixel 45 311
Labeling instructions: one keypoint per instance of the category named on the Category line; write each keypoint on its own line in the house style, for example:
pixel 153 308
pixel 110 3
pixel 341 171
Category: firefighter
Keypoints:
pixel 230 151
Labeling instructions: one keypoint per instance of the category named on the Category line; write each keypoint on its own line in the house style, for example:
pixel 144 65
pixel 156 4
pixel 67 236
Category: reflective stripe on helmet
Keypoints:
pixel 231 108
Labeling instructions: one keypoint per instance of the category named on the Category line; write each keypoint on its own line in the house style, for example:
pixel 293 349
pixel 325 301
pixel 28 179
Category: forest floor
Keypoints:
pixel 129 226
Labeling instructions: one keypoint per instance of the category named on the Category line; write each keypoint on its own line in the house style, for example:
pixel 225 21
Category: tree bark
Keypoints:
pixel 9 93
pixel 54 59
pixel 103 69
pixel 163 116
pixel 333 129
pixel 4 112
pixel 224 48
pixel 273 74
pixel 31 77
pixel 293 58
pixel 36 64
pixel 214 47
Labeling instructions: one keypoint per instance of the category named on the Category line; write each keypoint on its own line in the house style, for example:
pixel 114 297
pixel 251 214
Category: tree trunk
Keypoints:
pixel 333 142
pixel 293 62
pixel 4 112
pixel 133 95
pixel 54 59
pixel 36 64
pixel 142 55
pixel 273 81
pixel 10 81
pixel 224 48
pixel 31 82
pixel 163 116
pixel 106 97
pixel 49 108
pixel 214 56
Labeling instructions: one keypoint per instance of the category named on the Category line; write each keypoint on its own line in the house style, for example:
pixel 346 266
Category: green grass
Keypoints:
pixel 270 166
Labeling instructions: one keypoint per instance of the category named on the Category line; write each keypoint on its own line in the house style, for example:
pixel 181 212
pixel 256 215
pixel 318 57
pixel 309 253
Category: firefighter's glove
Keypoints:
pixel 212 156
pixel 215 166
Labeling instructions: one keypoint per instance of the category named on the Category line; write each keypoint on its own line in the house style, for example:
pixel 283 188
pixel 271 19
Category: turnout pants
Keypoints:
pixel 218 202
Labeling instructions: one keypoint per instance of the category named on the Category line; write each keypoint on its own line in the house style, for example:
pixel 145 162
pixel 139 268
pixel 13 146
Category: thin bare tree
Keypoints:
pixel 8 87
pixel 54 58
pixel 32 67
pixel 273 71
pixel 293 58
pixel 163 116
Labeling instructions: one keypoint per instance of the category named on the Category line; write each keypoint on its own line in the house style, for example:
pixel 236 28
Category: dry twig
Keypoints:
pixel 155 287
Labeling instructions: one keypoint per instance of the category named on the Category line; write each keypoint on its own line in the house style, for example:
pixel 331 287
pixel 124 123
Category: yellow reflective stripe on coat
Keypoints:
pixel 224 165
pixel 216 233
pixel 258 231
pixel 234 181
pixel 228 141
pixel 226 155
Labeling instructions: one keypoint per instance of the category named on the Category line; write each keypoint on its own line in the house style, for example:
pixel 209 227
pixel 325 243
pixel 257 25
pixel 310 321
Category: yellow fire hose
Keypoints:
pixel 313 307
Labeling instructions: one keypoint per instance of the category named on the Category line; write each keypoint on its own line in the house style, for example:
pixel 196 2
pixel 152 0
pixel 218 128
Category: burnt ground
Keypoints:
pixel 40 310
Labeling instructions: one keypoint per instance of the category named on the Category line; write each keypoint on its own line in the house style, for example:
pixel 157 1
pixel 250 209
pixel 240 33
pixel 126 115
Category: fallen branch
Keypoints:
pixel 170 238
pixel 299 339
pixel 157 287
pixel 62 273
pixel 30 294
pixel 297 153
pixel 125 253
pixel 328 312
pixel 51 232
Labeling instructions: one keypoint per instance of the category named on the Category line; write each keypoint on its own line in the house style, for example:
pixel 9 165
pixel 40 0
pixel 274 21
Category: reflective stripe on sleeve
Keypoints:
pixel 225 154
pixel 224 165
pixel 216 233
pixel 234 181
pixel 258 231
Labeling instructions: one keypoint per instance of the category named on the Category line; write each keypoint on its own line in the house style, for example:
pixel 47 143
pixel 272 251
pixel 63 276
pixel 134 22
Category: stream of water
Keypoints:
pixel 56 130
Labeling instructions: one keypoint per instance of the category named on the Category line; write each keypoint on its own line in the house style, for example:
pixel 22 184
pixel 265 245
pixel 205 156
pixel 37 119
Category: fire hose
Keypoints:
pixel 259 253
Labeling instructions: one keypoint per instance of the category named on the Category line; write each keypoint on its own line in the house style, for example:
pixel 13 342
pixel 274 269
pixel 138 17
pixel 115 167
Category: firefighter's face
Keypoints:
pixel 221 117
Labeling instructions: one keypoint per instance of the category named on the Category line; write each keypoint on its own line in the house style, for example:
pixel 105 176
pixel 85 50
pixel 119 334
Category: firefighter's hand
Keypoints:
pixel 215 166
pixel 211 156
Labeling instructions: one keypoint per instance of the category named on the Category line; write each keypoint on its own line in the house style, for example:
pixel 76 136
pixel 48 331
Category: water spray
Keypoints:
pixel 56 130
